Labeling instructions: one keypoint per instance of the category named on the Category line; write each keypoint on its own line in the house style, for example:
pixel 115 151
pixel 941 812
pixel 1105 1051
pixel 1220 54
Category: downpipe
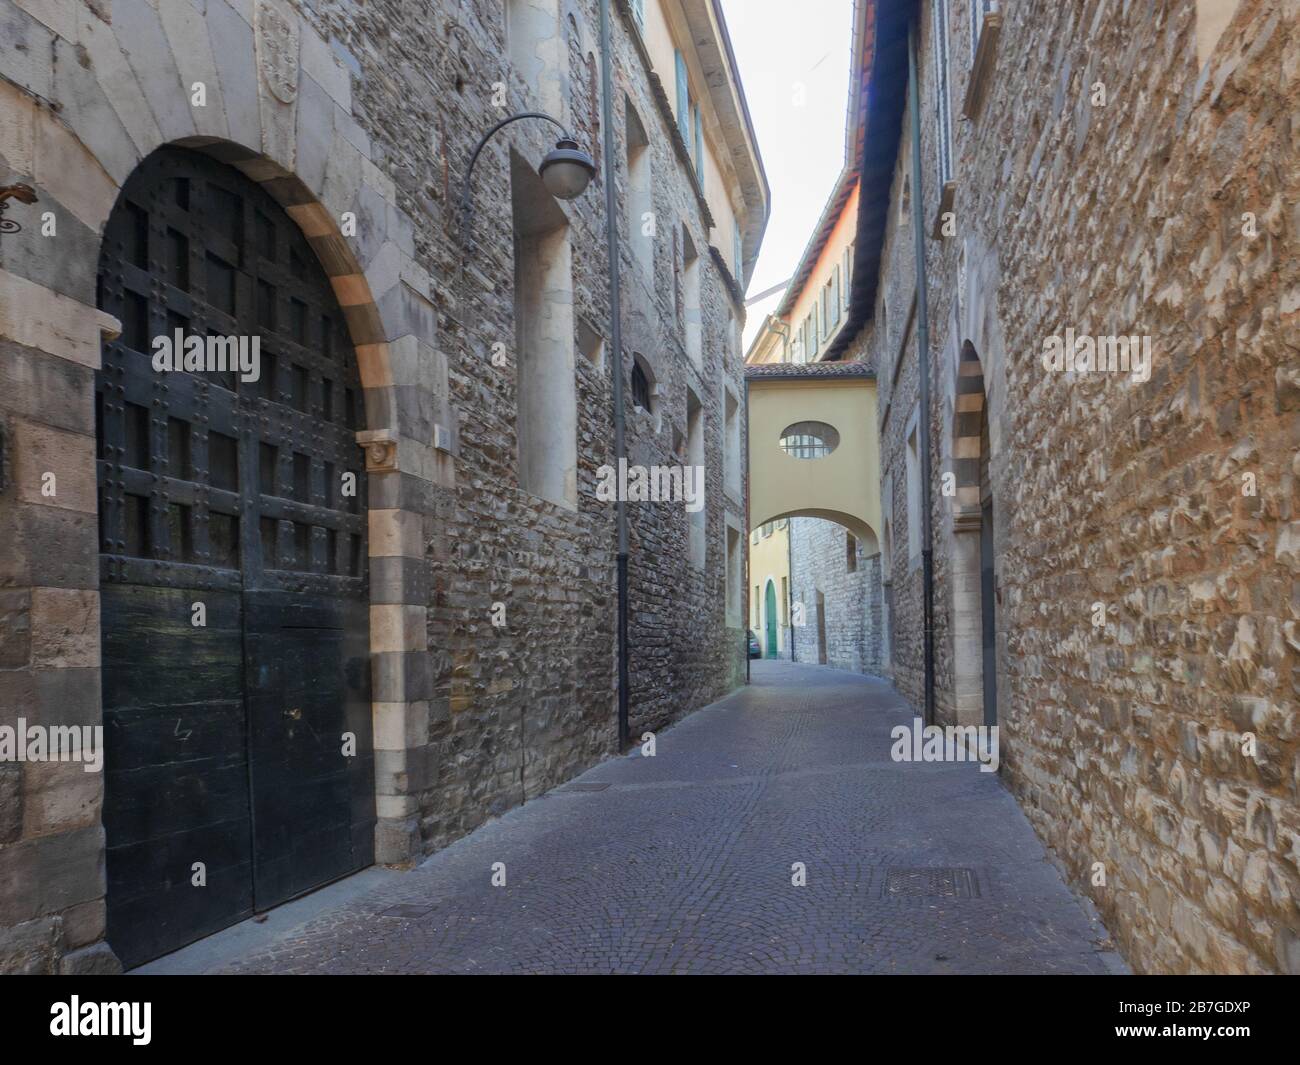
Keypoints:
pixel 923 372
pixel 616 360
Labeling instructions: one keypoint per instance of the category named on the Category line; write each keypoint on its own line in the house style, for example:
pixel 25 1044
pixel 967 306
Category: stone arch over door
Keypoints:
pixel 973 606
pixel 234 583
pixel 278 108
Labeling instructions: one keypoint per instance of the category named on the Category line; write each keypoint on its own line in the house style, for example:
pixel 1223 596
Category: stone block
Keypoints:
pixel 231 37
pixel 54 468
pixel 11 802
pixel 65 628
pixel 187 36
pixel 397 842
pixel 31 948
pixel 61 796
pixel 17 129
pixel 84 924
pixel 15 628
pixel 36 317
pixel 95 960
pixel 25 45
pixel 139 31
pixel 48 545
pixel 91 113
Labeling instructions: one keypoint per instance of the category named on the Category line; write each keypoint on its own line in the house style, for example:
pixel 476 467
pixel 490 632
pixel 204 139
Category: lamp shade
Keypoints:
pixel 567 170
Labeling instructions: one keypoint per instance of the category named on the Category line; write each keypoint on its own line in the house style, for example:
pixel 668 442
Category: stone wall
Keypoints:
pixel 371 109
pixel 1129 172
pixel 851 598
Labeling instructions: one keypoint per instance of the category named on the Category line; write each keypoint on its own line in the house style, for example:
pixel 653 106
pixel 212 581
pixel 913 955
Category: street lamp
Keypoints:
pixel 566 171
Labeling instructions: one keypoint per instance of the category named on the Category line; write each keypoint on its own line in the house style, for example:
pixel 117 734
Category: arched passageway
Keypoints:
pixel 814 477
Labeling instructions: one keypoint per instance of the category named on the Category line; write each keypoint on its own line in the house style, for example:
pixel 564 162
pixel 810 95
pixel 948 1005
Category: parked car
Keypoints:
pixel 755 651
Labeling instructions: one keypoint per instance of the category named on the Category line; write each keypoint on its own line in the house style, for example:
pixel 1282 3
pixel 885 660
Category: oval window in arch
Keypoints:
pixel 809 440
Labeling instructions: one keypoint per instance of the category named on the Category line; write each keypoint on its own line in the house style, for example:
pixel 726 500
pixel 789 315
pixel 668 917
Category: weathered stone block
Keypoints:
pixel 65 628
pixel 95 960
pixel 31 948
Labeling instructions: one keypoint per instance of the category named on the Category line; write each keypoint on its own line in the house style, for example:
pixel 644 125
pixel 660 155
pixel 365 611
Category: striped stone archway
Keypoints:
pixel 969 413
pixel 968 431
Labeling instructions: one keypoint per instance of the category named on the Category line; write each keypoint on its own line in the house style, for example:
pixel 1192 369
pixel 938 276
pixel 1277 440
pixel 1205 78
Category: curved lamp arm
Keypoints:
pixel 466 201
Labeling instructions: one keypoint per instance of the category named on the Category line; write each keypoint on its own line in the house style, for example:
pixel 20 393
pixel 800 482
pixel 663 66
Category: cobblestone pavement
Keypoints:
pixel 683 862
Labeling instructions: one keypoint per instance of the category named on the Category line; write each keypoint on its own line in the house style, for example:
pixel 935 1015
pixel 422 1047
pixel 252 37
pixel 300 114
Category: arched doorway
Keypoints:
pixel 769 620
pixel 974 582
pixel 234 594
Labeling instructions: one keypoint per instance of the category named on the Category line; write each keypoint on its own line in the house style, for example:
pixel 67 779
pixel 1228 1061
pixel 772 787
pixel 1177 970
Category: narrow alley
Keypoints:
pixel 682 863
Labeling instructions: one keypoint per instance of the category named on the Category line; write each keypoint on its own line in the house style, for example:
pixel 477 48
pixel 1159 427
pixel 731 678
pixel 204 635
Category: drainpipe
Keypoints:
pixel 923 367
pixel 616 344
pixel 744 447
pixel 789 591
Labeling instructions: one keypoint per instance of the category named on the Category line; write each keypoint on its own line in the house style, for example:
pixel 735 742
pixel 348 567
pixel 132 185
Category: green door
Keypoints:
pixel 769 604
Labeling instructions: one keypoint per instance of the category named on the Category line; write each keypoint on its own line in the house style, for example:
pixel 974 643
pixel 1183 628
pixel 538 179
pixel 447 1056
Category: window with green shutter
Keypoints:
pixel 683 98
pixel 699 143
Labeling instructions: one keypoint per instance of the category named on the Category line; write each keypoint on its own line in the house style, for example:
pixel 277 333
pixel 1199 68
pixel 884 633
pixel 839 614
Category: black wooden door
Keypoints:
pixel 239 766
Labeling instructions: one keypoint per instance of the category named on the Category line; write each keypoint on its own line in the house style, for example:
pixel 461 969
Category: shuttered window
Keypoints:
pixel 978 9
pixel 698 146
pixel 683 98
pixel 943 111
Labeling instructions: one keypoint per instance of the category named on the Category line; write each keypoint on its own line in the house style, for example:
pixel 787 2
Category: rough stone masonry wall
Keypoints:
pixel 1172 502
pixel 819 560
pixel 517 709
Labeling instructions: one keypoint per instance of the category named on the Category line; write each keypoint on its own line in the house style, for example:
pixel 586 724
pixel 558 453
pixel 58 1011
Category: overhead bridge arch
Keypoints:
pixel 813 449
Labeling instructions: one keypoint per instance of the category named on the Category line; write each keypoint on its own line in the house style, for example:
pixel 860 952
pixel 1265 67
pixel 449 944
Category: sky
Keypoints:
pixel 794 64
